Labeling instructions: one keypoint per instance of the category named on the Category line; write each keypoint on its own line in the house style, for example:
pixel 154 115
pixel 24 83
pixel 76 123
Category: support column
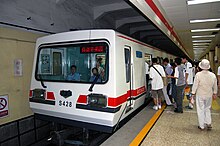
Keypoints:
pixel 211 59
pixel 207 56
pixel 217 58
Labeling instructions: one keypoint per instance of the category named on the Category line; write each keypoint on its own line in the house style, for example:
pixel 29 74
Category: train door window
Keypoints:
pixel 57 63
pixel 128 64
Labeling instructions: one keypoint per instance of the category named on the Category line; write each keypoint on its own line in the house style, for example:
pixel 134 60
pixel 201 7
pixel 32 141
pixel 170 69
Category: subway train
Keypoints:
pixel 65 89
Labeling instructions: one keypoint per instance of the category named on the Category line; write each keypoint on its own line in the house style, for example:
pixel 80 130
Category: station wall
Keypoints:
pixel 16 44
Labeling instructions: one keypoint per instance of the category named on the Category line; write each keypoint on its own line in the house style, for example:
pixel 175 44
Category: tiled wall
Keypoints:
pixel 24 132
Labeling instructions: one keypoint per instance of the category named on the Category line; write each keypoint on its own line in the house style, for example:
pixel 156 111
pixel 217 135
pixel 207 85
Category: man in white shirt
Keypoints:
pixel 156 74
pixel 205 88
pixel 189 79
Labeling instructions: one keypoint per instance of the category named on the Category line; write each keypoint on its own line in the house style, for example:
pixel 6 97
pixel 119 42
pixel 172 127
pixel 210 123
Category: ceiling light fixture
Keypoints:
pixel 204 20
pixel 194 2
pixel 199 48
pixel 199 44
pixel 201 41
pixel 202 30
pixel 203 36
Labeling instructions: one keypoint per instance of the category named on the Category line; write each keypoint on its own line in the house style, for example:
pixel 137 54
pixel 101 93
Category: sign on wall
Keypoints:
pixel 3 106
pixel 18 67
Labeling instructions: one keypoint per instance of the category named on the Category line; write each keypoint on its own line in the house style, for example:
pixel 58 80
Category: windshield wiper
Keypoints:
pixel 93 83
pixel 42 83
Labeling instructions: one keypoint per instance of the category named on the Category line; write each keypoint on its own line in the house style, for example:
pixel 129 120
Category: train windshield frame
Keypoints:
pixel 75 63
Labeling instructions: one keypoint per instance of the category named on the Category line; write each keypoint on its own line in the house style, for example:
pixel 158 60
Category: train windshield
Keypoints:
pixel 82 63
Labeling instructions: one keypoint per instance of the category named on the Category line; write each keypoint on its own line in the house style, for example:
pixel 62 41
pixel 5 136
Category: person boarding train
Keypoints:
pixel 156 74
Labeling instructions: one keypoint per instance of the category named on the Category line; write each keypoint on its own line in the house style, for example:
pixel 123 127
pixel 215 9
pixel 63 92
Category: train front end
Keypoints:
pixel 71 80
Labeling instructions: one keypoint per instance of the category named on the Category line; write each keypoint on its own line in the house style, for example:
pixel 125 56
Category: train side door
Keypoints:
pixel 129 76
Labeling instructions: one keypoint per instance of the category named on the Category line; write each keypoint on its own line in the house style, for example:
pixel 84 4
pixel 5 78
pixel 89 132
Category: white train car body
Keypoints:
pixel 120 92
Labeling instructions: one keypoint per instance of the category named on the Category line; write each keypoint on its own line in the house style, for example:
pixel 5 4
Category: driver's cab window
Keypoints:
pixel 73 63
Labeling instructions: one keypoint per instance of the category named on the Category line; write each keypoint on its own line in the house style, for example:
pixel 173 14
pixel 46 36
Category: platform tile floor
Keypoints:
pixel 174 129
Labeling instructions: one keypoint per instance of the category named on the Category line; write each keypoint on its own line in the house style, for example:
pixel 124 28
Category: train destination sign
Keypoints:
pixel 92 49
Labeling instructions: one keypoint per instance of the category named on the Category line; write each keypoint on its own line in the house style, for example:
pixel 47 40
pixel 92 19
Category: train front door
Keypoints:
pixel 129 76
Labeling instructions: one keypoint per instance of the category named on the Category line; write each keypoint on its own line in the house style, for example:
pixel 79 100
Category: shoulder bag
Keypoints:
pixel 165 81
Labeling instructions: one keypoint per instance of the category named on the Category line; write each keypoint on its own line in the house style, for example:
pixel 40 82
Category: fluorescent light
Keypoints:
pixel 204 20
pixel 202 30
pixel 203 36
pixel 194 2
pixel 199 48
pixel 199 41
pixel 199 44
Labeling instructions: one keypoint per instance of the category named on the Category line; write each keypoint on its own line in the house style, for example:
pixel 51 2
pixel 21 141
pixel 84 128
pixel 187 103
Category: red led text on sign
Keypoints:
pixel 95 49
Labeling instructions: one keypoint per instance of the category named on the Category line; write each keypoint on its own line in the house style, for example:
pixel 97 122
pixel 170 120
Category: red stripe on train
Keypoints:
pixel 123 98
pixel 138 42
pixel 118 100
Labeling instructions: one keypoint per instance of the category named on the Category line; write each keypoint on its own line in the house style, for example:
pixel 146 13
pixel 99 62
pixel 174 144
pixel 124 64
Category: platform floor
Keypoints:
pixel 166 128
pixel 174 129
pixel 125 135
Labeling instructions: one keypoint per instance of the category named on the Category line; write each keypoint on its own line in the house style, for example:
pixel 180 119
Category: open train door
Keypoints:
pixel 129 76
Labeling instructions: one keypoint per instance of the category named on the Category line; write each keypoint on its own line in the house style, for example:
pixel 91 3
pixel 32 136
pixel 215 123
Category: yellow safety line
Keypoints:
pixel 138 139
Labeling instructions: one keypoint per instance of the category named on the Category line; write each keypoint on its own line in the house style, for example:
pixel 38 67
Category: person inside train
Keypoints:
pixel 73 76
pixel 156 74
pixel 148 80
pixel 147 72
pixel 205 88
pixel 101 70
pixel 189 79
pixel 95 74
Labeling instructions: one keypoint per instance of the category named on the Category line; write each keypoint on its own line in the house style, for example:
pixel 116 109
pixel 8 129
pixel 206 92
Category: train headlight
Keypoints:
pixel 39 94
pixel 97 100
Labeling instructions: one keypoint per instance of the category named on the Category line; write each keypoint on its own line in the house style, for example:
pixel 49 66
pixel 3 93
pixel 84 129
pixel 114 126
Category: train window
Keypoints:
pixel 128 64
pixel 73 63
pixel 57 63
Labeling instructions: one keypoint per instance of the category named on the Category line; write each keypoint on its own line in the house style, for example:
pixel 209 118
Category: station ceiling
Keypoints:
pixel 130 21
pixel 121 15
pixel 180 14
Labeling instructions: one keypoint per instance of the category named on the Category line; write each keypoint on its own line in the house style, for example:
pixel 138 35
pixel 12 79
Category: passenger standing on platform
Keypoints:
pixel 189 79
pixel 179 75
pixel 166 89
pixel 156 74
pixel 205 88
pixel 173 85
pixel 218 75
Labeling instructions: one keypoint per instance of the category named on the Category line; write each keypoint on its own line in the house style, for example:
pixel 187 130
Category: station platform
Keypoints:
pixel 164 127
